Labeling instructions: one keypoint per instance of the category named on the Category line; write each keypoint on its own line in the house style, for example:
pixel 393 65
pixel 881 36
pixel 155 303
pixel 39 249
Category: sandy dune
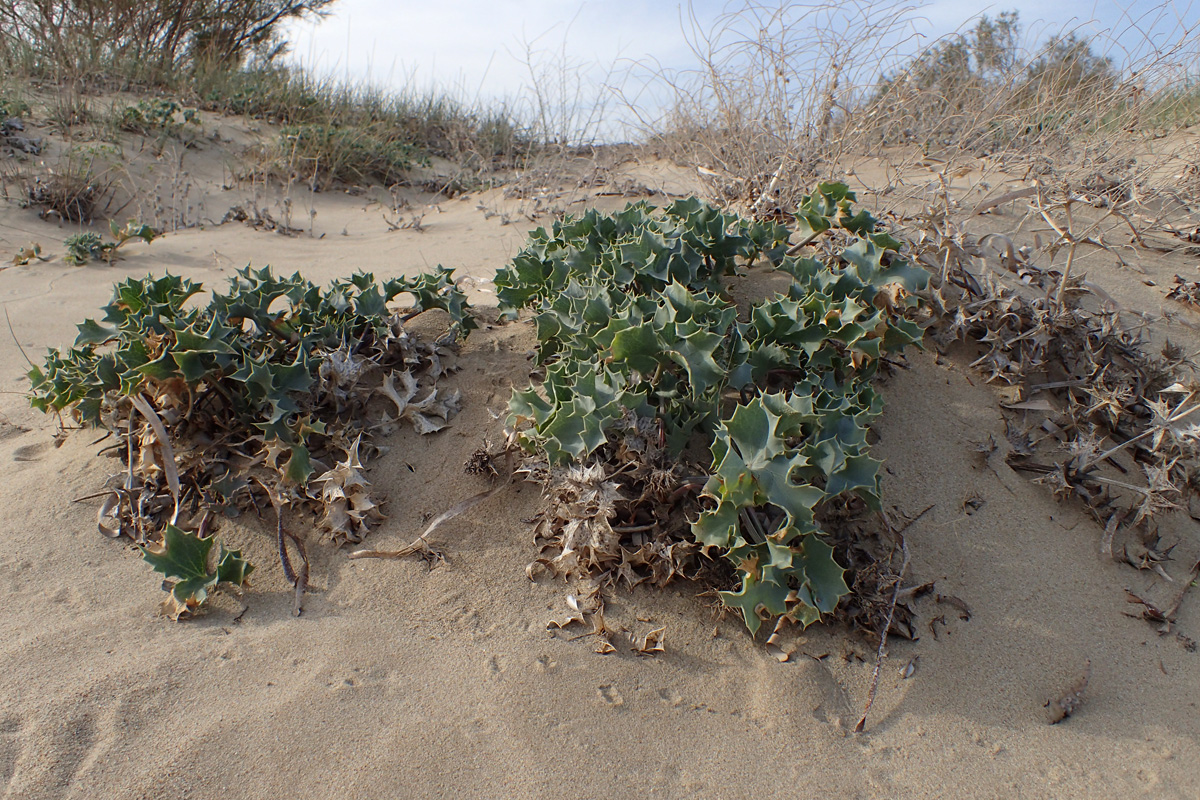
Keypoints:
pixel 406 680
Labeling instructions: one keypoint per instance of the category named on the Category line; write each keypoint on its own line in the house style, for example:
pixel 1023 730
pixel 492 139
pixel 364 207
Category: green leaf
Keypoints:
pixel 215 339
pixel 825 580
pixel 92 332
pixel 191 366
pixel 756 594
pixel 717 528
pixel 294 377
pixel 162 368
pixel 798 500
pixel 232 568
pixel 298 467
pixel 752 429
pixel 638 347
pixel 184 557
pixel 861 476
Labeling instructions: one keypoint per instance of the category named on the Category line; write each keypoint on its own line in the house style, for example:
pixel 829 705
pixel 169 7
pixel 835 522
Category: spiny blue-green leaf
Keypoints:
pixel 717 528
pixel 638 347
pixel 161 368
pixel 298 467
pixel 184 557
pixel 754 594
pixel 191 365
pixel 859 475
pixel 824 578
pixel 215 338
pixel 92 332
pixel 233 568
pixel 797 499
pixel 696 353
pixel 752 429
pixel 294 377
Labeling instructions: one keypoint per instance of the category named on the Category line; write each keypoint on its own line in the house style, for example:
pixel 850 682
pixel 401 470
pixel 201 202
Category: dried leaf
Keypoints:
pixel 651 643
pixel 778 653
pixel 570 619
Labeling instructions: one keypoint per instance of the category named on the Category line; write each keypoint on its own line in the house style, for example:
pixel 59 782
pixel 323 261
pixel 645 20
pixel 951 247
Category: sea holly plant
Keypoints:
pixel 89 246
pixel 186 560
pixel 264 393
pixel 649 364
pixel 156 117
pixel 638 251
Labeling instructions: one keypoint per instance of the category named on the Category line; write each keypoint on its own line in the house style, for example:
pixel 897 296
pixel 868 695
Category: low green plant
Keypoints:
pixel 261 390
pixel 156 117
pixel 184 558
pixel 433 122
pixel 11 106
pixel 649 363
pixel 89 246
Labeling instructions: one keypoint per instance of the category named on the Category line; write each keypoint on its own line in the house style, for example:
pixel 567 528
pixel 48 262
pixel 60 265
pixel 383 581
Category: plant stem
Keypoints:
pixel 1062 284
pixel 1175 417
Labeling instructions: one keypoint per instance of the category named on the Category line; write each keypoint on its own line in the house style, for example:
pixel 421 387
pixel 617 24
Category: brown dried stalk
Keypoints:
pixel 883 634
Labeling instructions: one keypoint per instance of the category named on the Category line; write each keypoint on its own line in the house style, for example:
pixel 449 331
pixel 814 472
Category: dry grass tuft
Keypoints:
pixel 73 193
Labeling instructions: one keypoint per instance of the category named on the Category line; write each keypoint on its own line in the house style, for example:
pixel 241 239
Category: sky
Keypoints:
pixel 488 50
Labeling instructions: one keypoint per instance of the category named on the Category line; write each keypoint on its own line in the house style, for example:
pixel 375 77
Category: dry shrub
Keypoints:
pixel 140 39
pixel 783 93
pixel 771 84
pixel 72 192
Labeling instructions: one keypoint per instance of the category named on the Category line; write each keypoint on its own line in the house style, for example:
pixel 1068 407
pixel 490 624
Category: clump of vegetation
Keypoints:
pixel 155 118
pixel 782 94
pixel 142 39
pixel 262 394
pixel 224 57
pixel 976 90
pixel 69 109
pixel 88 246
pixel 11 106
pixel 1123 436
pixel 662 403
pixel 73 193
pixel 353 155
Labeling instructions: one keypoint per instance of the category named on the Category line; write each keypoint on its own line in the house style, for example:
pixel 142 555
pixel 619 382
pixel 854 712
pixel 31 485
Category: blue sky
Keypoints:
pixel 476 48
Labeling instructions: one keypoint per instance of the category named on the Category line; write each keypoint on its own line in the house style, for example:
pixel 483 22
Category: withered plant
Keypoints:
pixel 1092 411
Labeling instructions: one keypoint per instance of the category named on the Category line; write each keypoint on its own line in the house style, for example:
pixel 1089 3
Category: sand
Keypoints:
pixel 403 679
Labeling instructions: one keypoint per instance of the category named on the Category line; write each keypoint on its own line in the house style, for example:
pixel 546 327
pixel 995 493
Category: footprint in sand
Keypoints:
pixel 10 747
pixel 29 452
pixel 609 694
pixel 834 707
pixel 73 739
